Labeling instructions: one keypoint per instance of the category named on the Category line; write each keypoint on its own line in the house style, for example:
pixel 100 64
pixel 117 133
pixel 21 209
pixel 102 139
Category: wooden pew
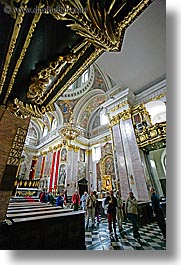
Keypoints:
pixel 32 226
pixel 19 214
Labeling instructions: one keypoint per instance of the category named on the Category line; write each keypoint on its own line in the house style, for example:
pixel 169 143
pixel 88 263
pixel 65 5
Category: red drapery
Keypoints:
pixel 56 169
pixel 52 172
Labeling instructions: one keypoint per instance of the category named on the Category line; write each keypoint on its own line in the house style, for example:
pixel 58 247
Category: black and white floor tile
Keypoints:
pixel 98 238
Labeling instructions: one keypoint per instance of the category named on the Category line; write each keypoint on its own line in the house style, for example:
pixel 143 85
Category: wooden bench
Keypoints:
pixel 20 214
pixel 37 226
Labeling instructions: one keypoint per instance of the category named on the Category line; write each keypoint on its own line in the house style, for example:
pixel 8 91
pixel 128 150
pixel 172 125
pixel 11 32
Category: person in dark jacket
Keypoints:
pixel 111 212
pixel 158 212
pixel 42 196
pixel 60 200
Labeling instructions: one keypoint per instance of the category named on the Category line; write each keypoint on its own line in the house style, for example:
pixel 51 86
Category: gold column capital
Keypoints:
pixel 88 152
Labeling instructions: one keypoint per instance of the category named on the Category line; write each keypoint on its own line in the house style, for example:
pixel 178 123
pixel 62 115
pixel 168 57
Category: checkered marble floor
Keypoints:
pixel 98 238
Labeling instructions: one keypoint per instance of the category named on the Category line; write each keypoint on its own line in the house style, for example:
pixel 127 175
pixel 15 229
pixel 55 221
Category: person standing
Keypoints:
pixel 119 211
pixel 97 210
pixel 76 200
pixel 90 204
pixel 158 212
pixel 60 200
pixel 51 198
pixel 131 210
pixel 42 196
pixel 111 212
pixel 105 206
pixel 83 200
pixel 65 197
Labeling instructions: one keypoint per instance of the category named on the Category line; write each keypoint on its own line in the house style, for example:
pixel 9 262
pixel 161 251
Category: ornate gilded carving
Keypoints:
pixel 119 106
pixel 115 120
pixel 98 22
pixel 88 152
pixel 106 139
pixel 14 36
pixel 151 135
pixel 140 117
pixel 124 115
pixel 40 83
pixel 24 110
pixel 23 52
pixel 76 148
pixel 25 183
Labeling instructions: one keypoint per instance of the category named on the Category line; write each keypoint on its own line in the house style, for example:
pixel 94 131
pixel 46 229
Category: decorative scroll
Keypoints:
pixel 99 21
pixel 17 147
pixel 24 110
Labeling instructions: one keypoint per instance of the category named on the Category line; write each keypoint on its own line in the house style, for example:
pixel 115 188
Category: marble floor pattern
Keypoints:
pixel 98 238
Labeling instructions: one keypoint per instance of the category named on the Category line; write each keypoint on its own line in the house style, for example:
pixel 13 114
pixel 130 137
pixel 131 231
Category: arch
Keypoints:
pixel 105 77
pixel 157 111
pixel 58 114
pixel 87 106
pixel 78 88
pixel 37 128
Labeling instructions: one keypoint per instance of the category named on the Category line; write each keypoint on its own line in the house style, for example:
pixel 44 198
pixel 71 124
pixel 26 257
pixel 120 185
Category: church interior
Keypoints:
pixel 82 107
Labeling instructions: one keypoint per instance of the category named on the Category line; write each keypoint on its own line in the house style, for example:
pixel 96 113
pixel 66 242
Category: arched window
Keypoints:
pixel 96 153
pixel 103 118
pixel 157 110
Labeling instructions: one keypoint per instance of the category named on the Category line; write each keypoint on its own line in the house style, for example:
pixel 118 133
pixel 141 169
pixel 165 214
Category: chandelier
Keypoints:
pixel 70 131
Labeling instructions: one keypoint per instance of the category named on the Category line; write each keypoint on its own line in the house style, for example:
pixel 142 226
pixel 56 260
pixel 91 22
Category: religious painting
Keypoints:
pixel 90 107
pixel 66 107
pixel 137 118
pixel 81 170
pixel 38 167
pixel 62 174
pixel 106 183
pixel 138 121
pixel 82 155
pixel 48 164
pixel 106 149
pixel 109 166
pixel 63 156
